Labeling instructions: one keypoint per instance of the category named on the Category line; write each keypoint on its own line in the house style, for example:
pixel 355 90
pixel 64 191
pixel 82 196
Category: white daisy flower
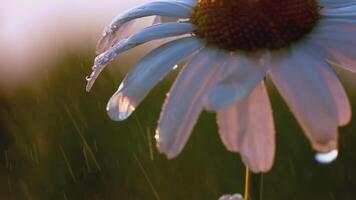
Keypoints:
pixel 231 197
pixel 232 45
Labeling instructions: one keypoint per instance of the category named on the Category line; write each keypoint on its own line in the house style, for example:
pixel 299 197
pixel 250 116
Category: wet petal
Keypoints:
pixel 303 79
pixel 114 31
pixel 346 9
pixel 184 102
pixel 338 95
pixel 333 4
pixel 147 73
pixel 150 33
pixel 161 19
pixel 335 39
pixel 244 75
pixel 248 127
pixel 190 2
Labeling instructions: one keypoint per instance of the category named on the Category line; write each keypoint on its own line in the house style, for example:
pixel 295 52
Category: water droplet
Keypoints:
pixel 105 33
pixel 157 135
pixel 113 27
pixel 94 67
pixel 120 107
pixel 328 157
pixel 175 67
pixel 88 78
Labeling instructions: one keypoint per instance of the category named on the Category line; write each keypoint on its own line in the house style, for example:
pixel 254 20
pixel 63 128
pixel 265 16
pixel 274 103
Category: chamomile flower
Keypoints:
pixel 231 47
pixel 231 197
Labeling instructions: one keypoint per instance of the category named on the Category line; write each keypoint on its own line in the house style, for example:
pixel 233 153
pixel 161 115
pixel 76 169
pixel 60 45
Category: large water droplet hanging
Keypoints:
pixel 120 107
pixel 328 157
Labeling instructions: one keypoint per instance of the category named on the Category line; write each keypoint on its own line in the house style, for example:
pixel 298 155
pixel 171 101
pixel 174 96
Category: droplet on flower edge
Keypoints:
pixel 100 63
pixel 158 138
pixel 120 107
pixel 161 144
pixel 92 77
pixel 328 157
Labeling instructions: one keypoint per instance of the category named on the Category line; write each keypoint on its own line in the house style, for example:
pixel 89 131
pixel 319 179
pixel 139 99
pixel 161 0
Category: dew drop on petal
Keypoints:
pixel 120 107
pixel 159 141
pixel 105 33
pixel 328 157
pixel 157 138
pixel 88 78
pixel 113 27
pixel 92 77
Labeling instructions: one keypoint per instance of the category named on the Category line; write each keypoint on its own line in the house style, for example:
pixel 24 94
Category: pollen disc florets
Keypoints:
pixel 254 24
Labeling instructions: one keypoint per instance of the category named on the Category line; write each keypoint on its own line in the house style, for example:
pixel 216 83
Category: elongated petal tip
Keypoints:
pixel 163 147
pixel 120 107
pixel 326 144
pixel 328 157
pixel 100 63
pixel 256 166
pixel 91 78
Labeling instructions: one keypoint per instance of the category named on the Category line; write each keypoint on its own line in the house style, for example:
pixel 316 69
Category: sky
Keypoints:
pixel 35 33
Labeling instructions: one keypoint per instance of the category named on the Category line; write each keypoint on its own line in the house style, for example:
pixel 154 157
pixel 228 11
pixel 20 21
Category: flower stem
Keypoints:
pixel 247 183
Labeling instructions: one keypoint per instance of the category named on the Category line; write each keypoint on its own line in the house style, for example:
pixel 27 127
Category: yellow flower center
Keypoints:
pixel 251 25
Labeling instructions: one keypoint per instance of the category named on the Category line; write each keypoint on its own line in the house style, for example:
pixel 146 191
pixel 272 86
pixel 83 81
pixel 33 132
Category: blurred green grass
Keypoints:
pixel 57 142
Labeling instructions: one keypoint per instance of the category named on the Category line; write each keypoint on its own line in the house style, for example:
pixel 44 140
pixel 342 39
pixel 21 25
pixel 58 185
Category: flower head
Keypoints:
pixel 232 45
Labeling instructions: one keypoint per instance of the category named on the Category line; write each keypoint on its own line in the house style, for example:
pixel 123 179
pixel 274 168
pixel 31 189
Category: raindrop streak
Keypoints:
pixel 66 161
pixel 120 107
pixel 145 174
pixel 326 158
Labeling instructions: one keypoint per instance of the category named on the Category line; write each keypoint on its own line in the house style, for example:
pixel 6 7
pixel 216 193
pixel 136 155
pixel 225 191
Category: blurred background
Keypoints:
pixel 56 141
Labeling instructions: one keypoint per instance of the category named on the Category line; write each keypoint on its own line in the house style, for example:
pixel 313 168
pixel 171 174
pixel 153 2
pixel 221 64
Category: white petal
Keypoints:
pixel 303 80
pixel 113 32
pixel 332 4
pixel 244 75
pixel 337 91
pixel 161 19
pixel 190 2
pixel 339 96
pixel 343 55
pixel 154 32
pixel 342 10
pixel 336 45
pixel 184 102
pixel 248 127
pixel 147 73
